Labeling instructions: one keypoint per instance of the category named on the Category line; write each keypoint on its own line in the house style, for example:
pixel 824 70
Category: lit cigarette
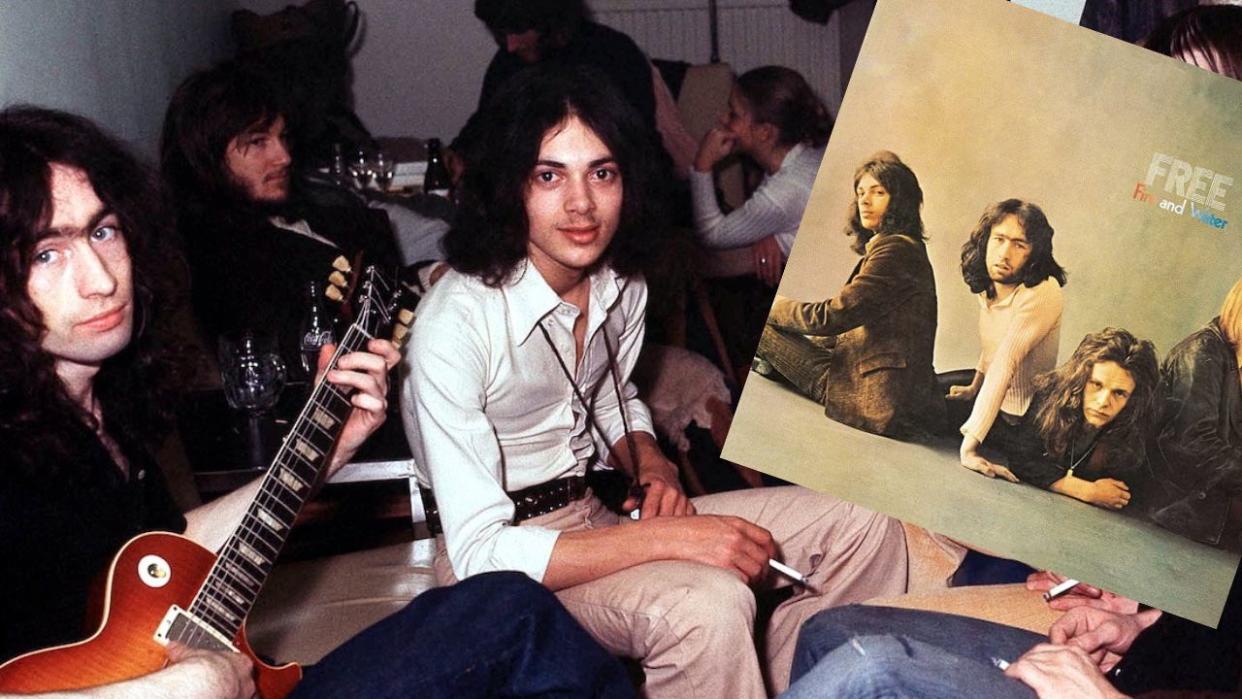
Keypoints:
pixel 791 574
pixel 1001 664
pixel 1060 590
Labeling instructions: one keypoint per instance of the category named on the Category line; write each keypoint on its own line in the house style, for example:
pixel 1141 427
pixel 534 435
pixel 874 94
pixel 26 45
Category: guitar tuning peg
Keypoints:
pixel 399 333
pixel 342 265
pixel 338 279
pixel 334 293
pixel 405 316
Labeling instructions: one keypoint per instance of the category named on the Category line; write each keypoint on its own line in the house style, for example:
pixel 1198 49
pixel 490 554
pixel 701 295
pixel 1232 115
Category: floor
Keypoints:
pixel 783 434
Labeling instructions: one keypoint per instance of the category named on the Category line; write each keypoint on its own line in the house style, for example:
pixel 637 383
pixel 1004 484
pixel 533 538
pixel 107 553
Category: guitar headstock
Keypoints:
pixel 376 300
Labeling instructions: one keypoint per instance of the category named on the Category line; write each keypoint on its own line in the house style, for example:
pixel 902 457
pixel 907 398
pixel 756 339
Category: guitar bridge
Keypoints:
pixel 183 627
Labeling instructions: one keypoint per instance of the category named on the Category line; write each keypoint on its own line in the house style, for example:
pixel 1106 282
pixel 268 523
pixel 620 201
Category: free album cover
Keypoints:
pixel 1012 313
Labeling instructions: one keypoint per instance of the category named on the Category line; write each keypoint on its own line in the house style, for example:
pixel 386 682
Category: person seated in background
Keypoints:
pixel 253 240
pixel 90 379
pixel 518 385
pixel 1089 420
pixel 1197 452
pixel 1207 36
pixel 554 32
pixel 1008 263
pixel 866 354
pixel 775 119
pixel 868 651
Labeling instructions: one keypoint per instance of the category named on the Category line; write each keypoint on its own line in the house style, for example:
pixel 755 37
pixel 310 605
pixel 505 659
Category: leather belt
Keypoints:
pixel 528 502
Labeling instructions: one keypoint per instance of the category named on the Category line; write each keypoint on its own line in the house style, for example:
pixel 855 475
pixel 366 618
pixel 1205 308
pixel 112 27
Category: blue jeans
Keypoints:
pixel 858 652
pixel 493 635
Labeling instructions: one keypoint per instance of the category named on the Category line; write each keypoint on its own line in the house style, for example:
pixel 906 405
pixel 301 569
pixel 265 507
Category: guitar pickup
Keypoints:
pixel 183 627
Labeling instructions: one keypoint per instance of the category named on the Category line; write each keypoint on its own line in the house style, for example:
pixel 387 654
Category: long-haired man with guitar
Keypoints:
pixel 85 391
pixel 518 383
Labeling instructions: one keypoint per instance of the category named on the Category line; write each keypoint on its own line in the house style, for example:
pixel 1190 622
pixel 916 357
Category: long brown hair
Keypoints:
pixel 905 204
pixel 781 97
pixel 1060 417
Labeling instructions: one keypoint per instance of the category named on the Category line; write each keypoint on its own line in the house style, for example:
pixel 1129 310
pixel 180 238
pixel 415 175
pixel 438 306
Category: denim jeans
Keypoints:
pixel 858 652
pixel 492 635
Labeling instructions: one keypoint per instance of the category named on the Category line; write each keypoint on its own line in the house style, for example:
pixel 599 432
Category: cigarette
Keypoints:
pixel 1001 664
pixel 1060 590
pixel 791 574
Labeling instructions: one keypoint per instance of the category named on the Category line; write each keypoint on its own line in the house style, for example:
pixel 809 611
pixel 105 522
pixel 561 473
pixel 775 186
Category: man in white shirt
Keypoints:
pixel 518 383
pixel 1008 264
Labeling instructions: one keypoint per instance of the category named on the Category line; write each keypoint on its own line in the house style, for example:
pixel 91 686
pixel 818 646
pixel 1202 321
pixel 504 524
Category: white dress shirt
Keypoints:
pixel 487 407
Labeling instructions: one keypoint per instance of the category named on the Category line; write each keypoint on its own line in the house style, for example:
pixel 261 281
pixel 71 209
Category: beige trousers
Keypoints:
pixel 691 625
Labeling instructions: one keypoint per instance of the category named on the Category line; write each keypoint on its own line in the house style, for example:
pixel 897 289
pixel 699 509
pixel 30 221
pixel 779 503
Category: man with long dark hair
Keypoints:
pixel 1008 263
pixel 866 353
pixel 87 384
pixel 518 385
pixel 253 237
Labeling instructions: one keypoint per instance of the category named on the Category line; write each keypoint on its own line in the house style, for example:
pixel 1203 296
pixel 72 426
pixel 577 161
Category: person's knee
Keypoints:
pixel 827 631
pixel 859 666
pixel 715 605
pixel 509 592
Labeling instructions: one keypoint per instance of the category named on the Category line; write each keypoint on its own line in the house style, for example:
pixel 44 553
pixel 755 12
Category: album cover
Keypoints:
pixel 1119 168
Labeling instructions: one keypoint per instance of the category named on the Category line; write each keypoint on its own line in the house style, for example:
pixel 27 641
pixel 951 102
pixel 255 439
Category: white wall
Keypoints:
pixel 115 61
pixel 420 65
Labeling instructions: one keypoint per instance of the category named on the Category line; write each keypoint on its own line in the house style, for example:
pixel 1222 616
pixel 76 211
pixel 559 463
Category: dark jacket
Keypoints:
pixel 603 48
pixel 880 375
pixel 1198 448
pixel 246 273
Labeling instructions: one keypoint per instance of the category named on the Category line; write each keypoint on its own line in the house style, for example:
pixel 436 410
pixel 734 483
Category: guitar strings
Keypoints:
pixel 250 531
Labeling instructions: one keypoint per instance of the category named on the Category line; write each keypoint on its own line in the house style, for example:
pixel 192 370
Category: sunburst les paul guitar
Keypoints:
pixel 164 587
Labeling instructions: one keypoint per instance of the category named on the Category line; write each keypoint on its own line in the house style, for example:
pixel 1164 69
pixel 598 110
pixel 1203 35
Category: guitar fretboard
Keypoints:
pixel 243 564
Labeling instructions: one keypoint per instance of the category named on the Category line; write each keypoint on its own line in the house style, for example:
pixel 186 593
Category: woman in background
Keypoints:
pixel 776 119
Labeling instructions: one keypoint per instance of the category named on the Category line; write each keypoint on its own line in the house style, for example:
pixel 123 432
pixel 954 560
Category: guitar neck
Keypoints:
pixel 243 564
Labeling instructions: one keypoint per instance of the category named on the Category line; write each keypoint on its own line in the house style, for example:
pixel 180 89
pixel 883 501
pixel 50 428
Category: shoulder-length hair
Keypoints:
pixel 781 97
pixel 1060 414
pixel 1039 266
pixel 206 112
pixel 134 387
pixel 489 234
pixel 905 202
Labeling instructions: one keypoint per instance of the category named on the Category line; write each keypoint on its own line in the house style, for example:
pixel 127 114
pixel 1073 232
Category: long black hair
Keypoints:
pixel 134 387
pixel 1039 266
pixel 490 232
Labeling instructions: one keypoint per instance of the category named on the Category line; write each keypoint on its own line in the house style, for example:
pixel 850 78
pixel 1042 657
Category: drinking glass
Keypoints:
pixel 253 376
pixel 384 170
pixel 252 372
pixel 360 169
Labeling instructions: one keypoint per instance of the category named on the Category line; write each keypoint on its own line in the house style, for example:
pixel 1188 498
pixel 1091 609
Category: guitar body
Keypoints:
pixel 150 574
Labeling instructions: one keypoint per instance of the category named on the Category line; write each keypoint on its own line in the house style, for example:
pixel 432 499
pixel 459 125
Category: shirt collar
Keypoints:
pixel 530 298
pixel 1000 303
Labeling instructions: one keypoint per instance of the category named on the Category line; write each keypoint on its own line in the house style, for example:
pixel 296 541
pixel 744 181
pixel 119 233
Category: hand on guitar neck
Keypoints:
pixel 368 373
